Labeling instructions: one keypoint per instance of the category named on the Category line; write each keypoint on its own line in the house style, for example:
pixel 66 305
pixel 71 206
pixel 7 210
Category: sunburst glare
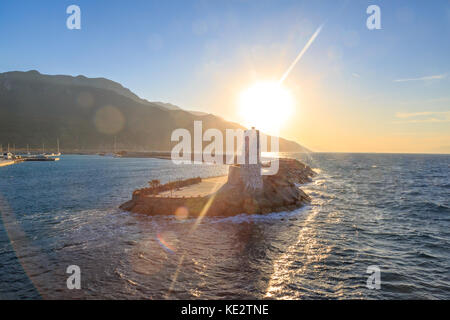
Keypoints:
pixel 266 105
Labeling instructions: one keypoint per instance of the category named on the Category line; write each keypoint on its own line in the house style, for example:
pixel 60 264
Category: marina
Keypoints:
pixel 10 158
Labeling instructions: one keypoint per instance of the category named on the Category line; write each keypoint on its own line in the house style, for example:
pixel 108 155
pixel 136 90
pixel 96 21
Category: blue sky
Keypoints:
pixel 201 54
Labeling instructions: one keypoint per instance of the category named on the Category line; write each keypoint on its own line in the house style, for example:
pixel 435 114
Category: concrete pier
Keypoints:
pixel 205 188
pixel 227 196
pixel 4 163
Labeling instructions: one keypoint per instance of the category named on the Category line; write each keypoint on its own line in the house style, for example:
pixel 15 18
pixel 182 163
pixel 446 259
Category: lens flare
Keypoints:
pixel 165 242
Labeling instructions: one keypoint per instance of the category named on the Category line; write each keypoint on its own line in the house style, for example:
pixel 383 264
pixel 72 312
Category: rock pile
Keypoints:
pixel 280 193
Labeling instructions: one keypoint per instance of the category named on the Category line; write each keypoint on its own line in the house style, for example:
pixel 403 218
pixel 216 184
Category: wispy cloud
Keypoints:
pixel 423 117
pixel 418 114
pixel 434 77
pixel 356 75
pixel 434 100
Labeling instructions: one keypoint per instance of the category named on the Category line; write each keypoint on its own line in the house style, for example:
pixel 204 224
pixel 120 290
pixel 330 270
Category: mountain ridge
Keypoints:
pixel 89 113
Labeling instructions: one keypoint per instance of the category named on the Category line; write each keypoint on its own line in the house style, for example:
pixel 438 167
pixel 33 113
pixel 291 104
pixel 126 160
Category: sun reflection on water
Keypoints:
pixel 307 246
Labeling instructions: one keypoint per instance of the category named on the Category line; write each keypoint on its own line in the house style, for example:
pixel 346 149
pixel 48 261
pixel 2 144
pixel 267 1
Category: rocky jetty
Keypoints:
pixel 280 192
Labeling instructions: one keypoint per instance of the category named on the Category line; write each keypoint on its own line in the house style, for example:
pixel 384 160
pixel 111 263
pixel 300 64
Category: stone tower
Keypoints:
pixel 248 172
pixel 251 169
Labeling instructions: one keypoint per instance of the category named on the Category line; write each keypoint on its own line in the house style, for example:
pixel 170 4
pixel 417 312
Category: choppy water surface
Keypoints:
pixel 391 211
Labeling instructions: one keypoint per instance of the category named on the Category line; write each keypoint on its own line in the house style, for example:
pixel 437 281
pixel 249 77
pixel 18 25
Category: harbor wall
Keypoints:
pixel 156 205
pixel 4 163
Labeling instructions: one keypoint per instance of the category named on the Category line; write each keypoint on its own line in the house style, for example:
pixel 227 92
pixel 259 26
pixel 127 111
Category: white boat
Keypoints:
pixel 7 156
pixel 58 154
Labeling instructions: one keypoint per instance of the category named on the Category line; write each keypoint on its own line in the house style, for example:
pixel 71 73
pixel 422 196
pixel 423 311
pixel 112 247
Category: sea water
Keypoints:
pixel 391 211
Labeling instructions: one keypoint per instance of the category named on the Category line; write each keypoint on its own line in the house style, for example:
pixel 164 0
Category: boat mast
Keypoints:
pixel 57 142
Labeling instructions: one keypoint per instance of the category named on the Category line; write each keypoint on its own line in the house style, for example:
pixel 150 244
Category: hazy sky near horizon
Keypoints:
pixel 356 90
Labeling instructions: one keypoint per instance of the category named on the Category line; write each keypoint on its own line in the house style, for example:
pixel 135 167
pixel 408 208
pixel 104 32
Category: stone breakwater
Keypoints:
pixel 165 187
pixel 280 192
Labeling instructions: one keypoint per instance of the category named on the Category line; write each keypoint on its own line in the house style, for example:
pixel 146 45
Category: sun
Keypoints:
pixel 266 106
